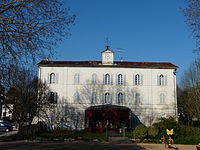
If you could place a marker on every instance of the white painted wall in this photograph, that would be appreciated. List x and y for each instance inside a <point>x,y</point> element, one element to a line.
<point>148,111</point>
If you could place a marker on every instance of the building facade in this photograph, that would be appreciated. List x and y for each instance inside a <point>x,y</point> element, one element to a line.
<point>147,88</point>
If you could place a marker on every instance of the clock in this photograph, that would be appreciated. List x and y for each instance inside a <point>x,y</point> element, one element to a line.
<point>107,56</point>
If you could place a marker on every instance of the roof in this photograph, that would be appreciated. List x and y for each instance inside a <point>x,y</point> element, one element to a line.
<point>108,106</point>
<point>107,50</point>
<point>124,64</point>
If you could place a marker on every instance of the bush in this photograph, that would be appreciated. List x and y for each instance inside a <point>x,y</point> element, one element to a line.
<point>140,132</point>
<point>167,123</point>
<point>153,131</point>
<point>59,135</point>
<point>182,134</point>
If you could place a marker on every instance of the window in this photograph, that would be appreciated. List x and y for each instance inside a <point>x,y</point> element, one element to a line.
<point>162,98</point>
<point>93,100</point>
<point>94,78</point>
<point>137,98</point>
<point>107,79</point>
<point>52,78</point>
<point>137,79</point>
<point>161,80</point>
<point>120,79</point>
<point>76,98</point>
<point>107,98</point>
<point>120,98</point>
<point>4,114</point>
<point>53,97</point>
<point>76,78</point>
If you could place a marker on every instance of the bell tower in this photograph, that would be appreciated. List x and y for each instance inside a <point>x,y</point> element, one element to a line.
<point>107,56</point>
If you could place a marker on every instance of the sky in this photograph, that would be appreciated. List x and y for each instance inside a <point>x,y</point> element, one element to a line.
<point>144,30</point>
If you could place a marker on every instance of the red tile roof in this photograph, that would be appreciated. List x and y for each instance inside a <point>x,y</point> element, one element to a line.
<point>124,64</point>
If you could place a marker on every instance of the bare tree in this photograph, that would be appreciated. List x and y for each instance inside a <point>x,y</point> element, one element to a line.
<point>65,115</point>
<point>189,99</point>
<point>30,28</point>
<point>28,96</point>
<point>191,13</point>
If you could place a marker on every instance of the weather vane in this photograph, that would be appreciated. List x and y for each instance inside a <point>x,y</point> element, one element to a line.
<point>107,41</point>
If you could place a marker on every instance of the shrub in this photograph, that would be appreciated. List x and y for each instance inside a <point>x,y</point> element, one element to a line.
<point>140,132</point>
<point>153,131</point>
<point>182,134</point>
<point>167,123</point>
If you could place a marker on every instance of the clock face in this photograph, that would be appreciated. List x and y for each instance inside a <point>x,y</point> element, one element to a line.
<point>107,56</point>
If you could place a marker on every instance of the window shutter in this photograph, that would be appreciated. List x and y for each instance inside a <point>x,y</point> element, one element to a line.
<point>79,79</point>
<point>110,99</point>
<point>116,79</point>
<point>55,97</point>
<point>133,79</point>
<point>123,99</point>
<point>158,80</point>
<point>48,78</point>
<point>97,98</point>
<point>134,98</point>
<point>124,80</point>
<point>116,98</point>
<point>57,76</point>
<point>141,79</point>
<point>165,79</point>
<point>111,80</point>
<point>103,78</point>
<point>102,101</point>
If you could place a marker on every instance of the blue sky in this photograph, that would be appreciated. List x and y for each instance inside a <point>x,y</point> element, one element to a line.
<point>146,30</point>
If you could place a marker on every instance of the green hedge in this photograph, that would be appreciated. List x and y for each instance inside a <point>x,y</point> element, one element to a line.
<point>59,135</point>
<point>182,134</point>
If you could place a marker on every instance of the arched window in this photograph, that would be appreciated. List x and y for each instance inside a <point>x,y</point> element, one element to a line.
<point>120,79</point>
<point>137,98</point>
<point>76,78</point>
<point>107,79</point>
<point>120,98</point>
<point>76,97</point>
<point>137,79</point>
<point>107,98</point>
<point>53,97</point>
<point>93,100</point>
<point>94,78</point>
<point>52,78</point>
<point>161,80</point>
<point>162,98</point>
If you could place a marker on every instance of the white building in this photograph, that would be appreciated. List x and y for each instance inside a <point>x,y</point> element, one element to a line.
<point>147,88</point>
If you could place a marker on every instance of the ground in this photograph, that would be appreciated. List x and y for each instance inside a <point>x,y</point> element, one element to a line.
<point>33,145</point>
<point>148,146</point>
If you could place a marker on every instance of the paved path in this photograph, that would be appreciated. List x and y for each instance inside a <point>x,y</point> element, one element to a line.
<point>149,146</point>
<point>28,145</point>
<point>119,140</point>
<point>23,145</point>
<point>8,133</point>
